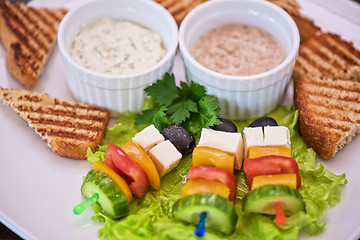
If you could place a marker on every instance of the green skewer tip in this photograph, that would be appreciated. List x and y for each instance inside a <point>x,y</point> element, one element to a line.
<point>78,209</point>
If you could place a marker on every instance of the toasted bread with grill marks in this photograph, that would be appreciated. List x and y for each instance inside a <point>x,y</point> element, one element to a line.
<point>68,128</point>
<point>179,9</point>
<point>306,26</point>
<point>28,34</point>
<point>329,112</point>
<point>327,55</point>
<point>290,6</point>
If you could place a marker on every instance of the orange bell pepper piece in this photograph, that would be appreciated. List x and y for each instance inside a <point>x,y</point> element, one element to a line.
<point>260,151</point>
<point>277,179</point>
<point>116,178</point>
<point>144,161</point>
<point>194,186</point>
<point>205,156</point>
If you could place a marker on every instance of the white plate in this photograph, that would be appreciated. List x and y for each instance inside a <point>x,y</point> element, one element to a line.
<point>38,188</point>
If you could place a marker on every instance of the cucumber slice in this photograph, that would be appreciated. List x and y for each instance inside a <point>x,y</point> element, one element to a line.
<point>111,198</point>
<point>262,200</point>
<point>221,213</point>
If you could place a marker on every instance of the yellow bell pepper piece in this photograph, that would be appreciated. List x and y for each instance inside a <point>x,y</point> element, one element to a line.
<point>205,156</point>
<point>144,161</point>
<point>124,187</point>
<point>277,179</point>
<point>260,151</point>
<point>194,186</point>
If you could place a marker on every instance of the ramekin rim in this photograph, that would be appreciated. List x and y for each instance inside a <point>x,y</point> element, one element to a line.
<point>173,46</point>
<point>291,56</point>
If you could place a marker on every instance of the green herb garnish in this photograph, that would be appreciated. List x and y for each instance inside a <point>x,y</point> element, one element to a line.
<point>187,105</point>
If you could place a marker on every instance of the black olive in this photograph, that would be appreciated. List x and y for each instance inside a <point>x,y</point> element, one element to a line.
<point>183,139</point>
<point>225,126</point>
<point>264,121</point>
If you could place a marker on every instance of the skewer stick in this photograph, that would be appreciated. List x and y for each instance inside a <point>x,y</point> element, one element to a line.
<point>200,228</point>
<point>280,217</point>
<point>78,209</point>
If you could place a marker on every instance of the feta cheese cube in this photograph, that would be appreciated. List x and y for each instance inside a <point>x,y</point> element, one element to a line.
<point>277,136</point>
<point>165,156</point>
<point>148,138</point>
<point>230,142</point>
<point>253,136</point>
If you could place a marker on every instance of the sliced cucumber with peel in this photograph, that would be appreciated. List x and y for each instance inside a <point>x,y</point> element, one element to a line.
<point>221,213</point>
<point>262,200</point>
<point>111,198</point>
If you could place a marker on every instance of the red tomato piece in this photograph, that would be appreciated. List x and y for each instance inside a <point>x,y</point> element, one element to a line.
<point>123,165</point>
<point>215,174</point>
<point>271,165</point>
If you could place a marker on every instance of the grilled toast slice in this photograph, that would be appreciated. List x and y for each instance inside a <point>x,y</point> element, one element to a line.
<point>306,26</point>
<point>28,35</point>
<point>329,112</point>
<point>68,128</point>
<point>290,6</point>
<point>179,9</point>
<point>328,56</point>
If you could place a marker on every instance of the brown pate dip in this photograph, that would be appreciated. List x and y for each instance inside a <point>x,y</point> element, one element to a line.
<point>239,50</point>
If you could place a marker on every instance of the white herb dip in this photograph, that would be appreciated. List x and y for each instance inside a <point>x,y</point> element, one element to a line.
<point>117,47</point>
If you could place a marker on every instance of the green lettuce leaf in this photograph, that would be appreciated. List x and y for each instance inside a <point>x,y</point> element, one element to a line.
<point>119,134</point>
<point>151,217</point>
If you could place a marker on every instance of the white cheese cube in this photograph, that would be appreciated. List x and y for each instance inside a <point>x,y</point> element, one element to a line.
<point>165,156</point>
<point>148,138</point>
<point>230,142</point>
<point>277,136</point>
<point>253,136</point>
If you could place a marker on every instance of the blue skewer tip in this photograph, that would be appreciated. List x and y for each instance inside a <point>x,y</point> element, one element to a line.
<point>200,228</point>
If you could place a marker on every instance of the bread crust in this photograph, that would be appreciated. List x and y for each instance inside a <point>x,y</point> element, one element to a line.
<point>306,26</point>
<point>68,128</point>
<point>329,114</point>
<point>28,35</point>
<point>179,9</point>
<point>22,66</point>
<point>328,56</point>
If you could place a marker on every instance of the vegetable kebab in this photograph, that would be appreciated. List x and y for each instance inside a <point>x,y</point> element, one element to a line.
<point>273,176</point>
<point>209,195</point>
<point>130,170</point>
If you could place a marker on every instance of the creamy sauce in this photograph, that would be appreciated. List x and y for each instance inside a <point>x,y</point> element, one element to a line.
<point>117,47</point>
<point>239,50</point>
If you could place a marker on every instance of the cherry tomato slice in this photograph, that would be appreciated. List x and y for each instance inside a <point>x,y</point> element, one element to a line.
<point>144,161</point>
<point>271,164</point>
<point>133,174</point>
<point>215,174</point>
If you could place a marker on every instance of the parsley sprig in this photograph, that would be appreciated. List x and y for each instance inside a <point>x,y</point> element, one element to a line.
<point>187,105</point>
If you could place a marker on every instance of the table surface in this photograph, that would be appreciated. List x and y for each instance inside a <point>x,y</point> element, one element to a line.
<point>344,9</point>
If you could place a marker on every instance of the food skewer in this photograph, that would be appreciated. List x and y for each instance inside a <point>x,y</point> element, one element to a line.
<point>273,176</point>
<point>128,171</point>
<point>210,191</point>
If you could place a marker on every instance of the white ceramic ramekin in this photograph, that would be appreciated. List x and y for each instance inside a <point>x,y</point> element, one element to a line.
<point>241,97</point>
<point>118,93</point>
